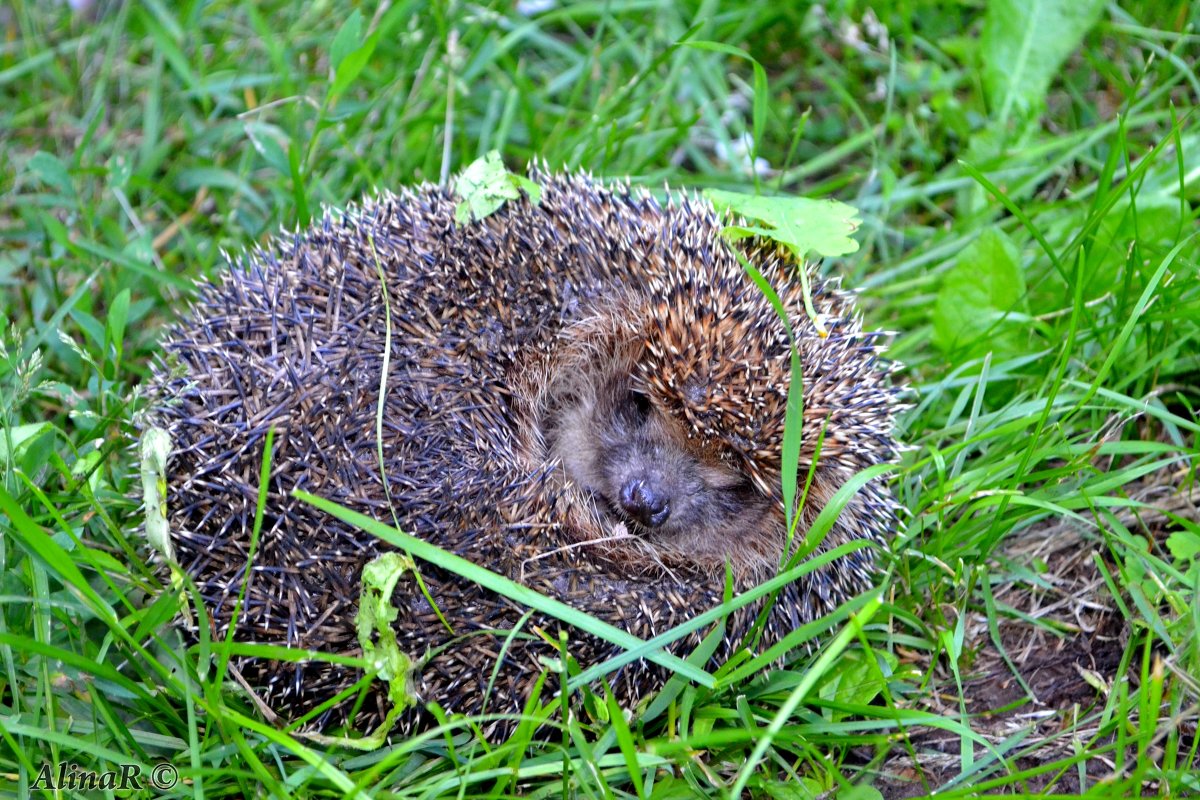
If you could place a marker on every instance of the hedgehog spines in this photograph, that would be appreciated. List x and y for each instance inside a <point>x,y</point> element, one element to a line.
<point>623,324</point>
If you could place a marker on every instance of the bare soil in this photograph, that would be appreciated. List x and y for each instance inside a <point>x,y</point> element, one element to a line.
<point>1036,695</point>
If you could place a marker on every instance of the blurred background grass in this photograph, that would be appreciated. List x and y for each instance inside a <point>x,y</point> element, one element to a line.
<point>1027,174</point>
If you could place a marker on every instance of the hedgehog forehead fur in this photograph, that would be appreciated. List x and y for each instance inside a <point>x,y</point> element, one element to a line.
<point>640,465</point>
<point>586,395</point>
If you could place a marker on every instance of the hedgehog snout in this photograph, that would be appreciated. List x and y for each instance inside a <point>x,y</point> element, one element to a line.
<point>646,501</point>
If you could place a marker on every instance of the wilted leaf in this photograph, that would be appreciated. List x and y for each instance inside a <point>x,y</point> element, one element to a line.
<point>377,637</point>
<point>376,613</point>
<point>155,449</point>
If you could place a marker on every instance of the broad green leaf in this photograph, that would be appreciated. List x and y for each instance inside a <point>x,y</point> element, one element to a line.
<point>351,67</point>
<point>118,316</point>
<point>139,248</point>
<point>1154,225</point>
<point>485,185</point>
<point>17,436</point>
<point>52,172</point>
<point>349,53</point>
<point>266,140</point>
<point>195,178</point>
<point>94,328</point>
<point>120,170</point>
<point>981,305</point>
<point>347,40</point>
<point>856,682</point>
<point>803,225</point>
<point>1184,545</point>
<point>859,791</point>
<point>1023,45</point>
<point>87,465</point>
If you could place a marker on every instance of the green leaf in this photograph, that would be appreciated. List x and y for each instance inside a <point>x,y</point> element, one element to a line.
<point>801,224</point>
<point>859,791</point>
<point>1153,225</point>
<point>1184,545</point>
<point>485,185</point>
<point>529,187</point>
<point>118,316</point>
<point>349,53</point>
<point>217,178</point>
<point>1024,43</point>
<point>856,681</point>
<point>376,614</point>
<point>120,170</point>
<point>267,141</point>
<point>980,307</point>
<point>805,788</point>
<point>52,172</point>
<point>347,40</point>
<point>351,67</point>
<point>17,436</point>
<point>87,465</point>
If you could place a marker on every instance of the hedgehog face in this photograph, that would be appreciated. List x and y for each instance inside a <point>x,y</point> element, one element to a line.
<point>634,463</point>
<point>638,466</point>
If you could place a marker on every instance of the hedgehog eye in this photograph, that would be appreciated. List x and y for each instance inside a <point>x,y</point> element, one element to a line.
<point>640,403</point>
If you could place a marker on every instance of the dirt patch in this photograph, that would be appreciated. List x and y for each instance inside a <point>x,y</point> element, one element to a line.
<point>1033,687</point>
<point>1056,673</point>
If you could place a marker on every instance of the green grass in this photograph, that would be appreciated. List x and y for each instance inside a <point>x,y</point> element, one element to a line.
<point>1030,241</point>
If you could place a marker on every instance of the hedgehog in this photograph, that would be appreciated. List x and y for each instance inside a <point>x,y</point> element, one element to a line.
<point>585,394</point>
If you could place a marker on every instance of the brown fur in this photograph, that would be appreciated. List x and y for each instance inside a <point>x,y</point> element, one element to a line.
<point>597,420</point>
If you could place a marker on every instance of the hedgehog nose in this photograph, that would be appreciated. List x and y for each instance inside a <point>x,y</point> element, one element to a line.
<point>645,502</point>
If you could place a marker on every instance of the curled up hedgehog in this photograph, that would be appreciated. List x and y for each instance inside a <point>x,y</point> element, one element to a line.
<point>585,394</point>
